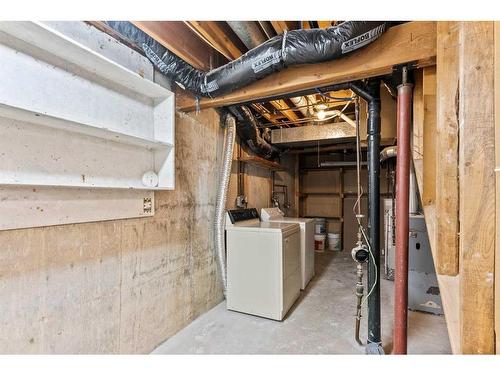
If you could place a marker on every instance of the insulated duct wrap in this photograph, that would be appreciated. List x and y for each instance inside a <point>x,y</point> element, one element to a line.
<point>220,203</point>
<point>304,46</point>
<point>249,133</point>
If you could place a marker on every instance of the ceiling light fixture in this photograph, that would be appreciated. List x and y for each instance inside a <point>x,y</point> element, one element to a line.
<point>321,115</point>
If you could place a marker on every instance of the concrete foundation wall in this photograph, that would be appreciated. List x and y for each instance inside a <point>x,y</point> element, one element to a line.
<point>121,286</point>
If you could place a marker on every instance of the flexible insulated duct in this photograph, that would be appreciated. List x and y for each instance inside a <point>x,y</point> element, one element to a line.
<point>250,134</point>
<point>303,46</point>
<point>220,203</point>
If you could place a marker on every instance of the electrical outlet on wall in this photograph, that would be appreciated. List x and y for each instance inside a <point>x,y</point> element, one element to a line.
<point>147,205</point>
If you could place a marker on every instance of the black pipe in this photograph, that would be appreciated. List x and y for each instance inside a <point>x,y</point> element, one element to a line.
<point>373,140</point>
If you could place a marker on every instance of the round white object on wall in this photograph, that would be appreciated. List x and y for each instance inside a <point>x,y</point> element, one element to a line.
<point>150,179</point>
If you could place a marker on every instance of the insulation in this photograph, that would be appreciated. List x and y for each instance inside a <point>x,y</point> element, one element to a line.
<point>302,46</point>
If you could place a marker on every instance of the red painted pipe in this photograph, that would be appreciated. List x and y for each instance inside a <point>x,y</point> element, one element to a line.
<point>402,219</point>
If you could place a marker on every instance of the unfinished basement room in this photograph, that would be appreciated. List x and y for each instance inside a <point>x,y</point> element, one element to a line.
<point>249,187</point>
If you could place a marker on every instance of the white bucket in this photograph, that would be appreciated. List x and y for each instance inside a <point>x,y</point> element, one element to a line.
<point>319,242</point>
<point>334,241</point>
<point>320,225</point>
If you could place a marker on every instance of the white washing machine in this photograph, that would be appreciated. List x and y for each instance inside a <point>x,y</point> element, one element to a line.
<point>275,215</point>
<point>263,264</point>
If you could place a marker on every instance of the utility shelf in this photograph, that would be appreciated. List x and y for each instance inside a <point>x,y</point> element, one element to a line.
<point>246,156</point>
<point>74,118</point>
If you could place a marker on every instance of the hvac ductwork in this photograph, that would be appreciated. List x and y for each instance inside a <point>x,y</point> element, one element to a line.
<point>249,32</point>
<point>304,46</point>
<point>250,134</point>
<point>220,203</point>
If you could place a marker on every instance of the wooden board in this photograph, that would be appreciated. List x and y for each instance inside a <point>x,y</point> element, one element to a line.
<point>322,205</point>
<point>497,195</point>
<point>429,101</point>
<point>217,36</point>
<point>417,144</point>
<point>181,40</point>
<point>321,181</point>
<point>447,193</point>
<point>412,41</point>
<point>449,286</point>
<point>477,182</point>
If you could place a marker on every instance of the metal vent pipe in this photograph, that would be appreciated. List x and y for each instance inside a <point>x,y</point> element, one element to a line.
<point>220,202</point>
<point>249,32</point>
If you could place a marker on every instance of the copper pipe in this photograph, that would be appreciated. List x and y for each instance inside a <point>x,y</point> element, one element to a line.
<point>402,219</point>
<point>359,299</point>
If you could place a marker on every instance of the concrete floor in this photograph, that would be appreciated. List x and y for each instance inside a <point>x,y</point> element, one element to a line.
<point>320,322</point>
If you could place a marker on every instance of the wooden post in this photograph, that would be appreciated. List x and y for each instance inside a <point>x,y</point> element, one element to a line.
<point>497,175</point>
<point>447,197</point>
<point>429,135</point>
<point>477,186</point>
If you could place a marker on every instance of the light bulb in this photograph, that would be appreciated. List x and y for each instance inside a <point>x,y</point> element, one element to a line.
<point>321,115</point>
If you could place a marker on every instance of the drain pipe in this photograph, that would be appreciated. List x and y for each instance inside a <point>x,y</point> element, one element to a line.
<point>370,92</point>
<point>220,203</point>
<point>374,342</point>
<point>402,216</point>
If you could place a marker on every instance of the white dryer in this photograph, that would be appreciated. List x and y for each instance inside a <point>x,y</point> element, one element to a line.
<point>263,264</point>
<point>275,215</point>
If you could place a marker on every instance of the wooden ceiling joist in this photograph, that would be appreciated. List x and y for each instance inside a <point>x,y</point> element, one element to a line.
<point>177,37</point>
<point>214,34</point>
<point>266,113</point>
<point>408,42</point>
<point>324,24</point>
<point>284,108</point>
<point>281,26</point>
<point>268,28</point>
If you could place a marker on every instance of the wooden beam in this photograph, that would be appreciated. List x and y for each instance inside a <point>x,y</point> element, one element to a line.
<point>497,178</point>
<point>412,41</point>
<point>417,130</point>
<point>477,187</point>
<point>249,157</point>
<point>283,107</point>
<point>279,26</point>
<point>324,24</point>
<point>447,193</point>
<point>213,33</point>
<point>102,26</point>
<point>267,28</point>
<point>429,133</point>
<point>181,40</point>
<point>265,112</point>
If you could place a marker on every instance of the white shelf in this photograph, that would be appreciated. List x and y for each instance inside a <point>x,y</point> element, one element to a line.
<point>71,117</point>
<point>20,114</point>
